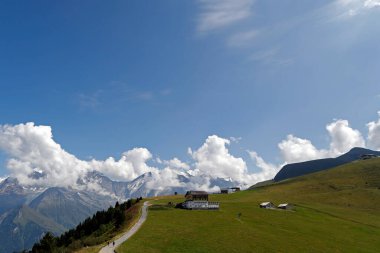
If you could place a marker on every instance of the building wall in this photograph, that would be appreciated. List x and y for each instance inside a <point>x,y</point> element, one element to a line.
<point>200,205</point>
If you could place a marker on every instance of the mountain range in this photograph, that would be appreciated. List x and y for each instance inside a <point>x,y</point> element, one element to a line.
<point>26,213</point>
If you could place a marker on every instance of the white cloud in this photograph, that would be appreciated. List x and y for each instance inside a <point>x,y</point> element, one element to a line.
<point>270,56</point>
<point>268,170</point>
<point>374,134</point>
<point>371,3</point>
<point>203,183</point>
<point>343,137</point>
<point>31,149</point>
<point>176,164</point>
<point>36,159</point>
<point>132,164</point>
<point>242,39</point>
<point>235,139</point>
<point>216,14</point>
<point>349,8</point>
<point>213,158</point>
<point>164,179</point>
<point>295,149</point>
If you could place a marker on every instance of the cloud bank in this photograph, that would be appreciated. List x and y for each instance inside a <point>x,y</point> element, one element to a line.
<point>34,158</point>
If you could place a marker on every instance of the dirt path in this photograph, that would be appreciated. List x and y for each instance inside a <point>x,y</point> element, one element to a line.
<point>110,248</point>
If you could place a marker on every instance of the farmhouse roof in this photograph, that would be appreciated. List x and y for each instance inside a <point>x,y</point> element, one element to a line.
<point>265,203</point>
<point>196,193</point>
<point>283,205</point>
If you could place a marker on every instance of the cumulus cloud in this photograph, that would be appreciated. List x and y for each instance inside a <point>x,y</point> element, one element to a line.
<point>268,170</point>
<point>216,14</point>
<point>213,158</point>
<point>374,134</point>
<point>132,164</point>
<point>34,158</point>
<point>294,149</point>
<point>342,138</point>
<point>164,179</point>
<point>33,151</point>
<point>176,164</point>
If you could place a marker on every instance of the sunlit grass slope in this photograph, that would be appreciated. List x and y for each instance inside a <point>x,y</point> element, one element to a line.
<point>337,210</point>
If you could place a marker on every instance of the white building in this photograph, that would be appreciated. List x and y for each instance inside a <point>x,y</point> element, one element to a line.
<point>198,200</point>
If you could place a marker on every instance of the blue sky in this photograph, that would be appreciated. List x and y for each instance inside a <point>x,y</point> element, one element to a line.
<point>164,75</point>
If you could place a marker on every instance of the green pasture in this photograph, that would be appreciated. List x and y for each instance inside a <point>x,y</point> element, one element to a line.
<point>337,210</point>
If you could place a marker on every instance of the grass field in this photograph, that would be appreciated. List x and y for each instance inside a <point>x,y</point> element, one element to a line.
<point>337,210</point>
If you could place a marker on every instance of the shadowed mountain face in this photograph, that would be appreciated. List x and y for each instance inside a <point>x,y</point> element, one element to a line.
<point>12,195</point>
<point>27,213</point>
<point>21,227</point>
<point>68,207</point>
<point>303,168</point>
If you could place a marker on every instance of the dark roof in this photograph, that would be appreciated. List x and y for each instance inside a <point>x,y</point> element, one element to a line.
<point>196,193</point>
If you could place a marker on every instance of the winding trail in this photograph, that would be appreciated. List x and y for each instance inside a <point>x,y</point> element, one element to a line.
<point>110,248</point>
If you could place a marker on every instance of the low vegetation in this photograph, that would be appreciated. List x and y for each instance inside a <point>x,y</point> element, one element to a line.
<point>92,232</point>
<point>336,210</point>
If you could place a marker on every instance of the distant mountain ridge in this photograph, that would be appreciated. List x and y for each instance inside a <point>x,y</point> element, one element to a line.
<point>303,168</point>
<point>26,213</point>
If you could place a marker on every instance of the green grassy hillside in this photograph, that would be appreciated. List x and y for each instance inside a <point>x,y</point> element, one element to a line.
<point>337,210</point>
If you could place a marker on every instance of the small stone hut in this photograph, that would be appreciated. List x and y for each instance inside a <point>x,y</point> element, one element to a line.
<point>285,206</point>
<point>267,205</point>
